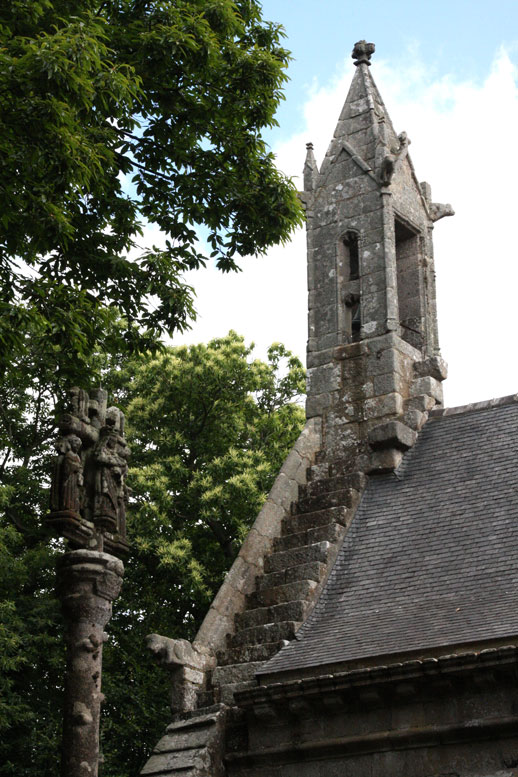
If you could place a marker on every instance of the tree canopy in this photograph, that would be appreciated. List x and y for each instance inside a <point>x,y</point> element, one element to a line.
<point>209,427</point>
<point>115,114</point>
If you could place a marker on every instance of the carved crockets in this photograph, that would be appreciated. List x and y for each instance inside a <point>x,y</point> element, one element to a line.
<point>88,492</point>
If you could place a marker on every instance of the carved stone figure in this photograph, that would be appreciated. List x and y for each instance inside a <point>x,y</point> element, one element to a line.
<point>88,507</point>
<point>78,399</point>
<point>89,494</point>
<point>65,495</point>
<point>110,457</point>
<point>391,161</point>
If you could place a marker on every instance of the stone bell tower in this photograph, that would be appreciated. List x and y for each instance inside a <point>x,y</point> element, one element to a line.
<point>374,368</point>
<point>374,373</point>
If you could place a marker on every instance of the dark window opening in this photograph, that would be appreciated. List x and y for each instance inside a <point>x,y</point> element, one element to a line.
<point>409,284</point>
<point>351,244</point>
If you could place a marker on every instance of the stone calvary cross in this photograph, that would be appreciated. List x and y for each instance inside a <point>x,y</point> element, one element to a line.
<point>88,508</point>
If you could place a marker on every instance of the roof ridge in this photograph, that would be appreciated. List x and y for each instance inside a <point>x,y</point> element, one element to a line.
<point>487,404</point>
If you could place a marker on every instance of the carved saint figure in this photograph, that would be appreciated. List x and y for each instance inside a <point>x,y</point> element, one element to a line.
<point>110,458</point>
<point>67,478</point>
<point>78,403</point>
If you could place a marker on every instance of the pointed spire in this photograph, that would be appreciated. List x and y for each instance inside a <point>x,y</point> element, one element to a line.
<point>310,169</point>
<point>364,131</point>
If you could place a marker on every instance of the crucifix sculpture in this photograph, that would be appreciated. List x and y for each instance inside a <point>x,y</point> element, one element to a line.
<point>88,508</point>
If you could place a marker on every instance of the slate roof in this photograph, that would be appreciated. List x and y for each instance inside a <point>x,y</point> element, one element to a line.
<point>431,557</point>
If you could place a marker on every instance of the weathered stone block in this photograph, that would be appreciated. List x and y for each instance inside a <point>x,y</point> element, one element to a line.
<point>338,498</point>
<point>385,461</point>
<point>393,434</point>
<point>313,570</point>
<point>386,360</point>
<point>268,521</point>
<point>349,351</point>
<point>393,340</point>
<point>317,404</point>
<point>245,653</point>
<point>422,403</point>
<point>292,558</point>
<point>316,358</point>
<point>323,379</point>
<point>235,673</point>
<point>428,386</point>
<point>270,632</point>
<point>287,611</point>
<point>282,487</point>
<point>163,763</point>
<point>302,589</point>
<point>389,404</point>
<point>388,383</point>
<point>434,367</point>
<point>374,282</point>
<point>374,308</point>
<point>226,692</point>
<point>299,523</point>
<point>326,533</point>
<point>322,342</point>
<point>415,419</point>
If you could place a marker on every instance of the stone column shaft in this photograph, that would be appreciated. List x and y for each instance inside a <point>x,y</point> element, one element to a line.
<point>88,582</point>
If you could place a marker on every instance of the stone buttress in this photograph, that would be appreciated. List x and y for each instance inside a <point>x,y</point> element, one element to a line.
<point>374,373</point>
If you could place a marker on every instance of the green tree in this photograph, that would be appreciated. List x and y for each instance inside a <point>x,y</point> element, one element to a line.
<point>31,632</point>
<point>209,428</point>
<point>118,113</point>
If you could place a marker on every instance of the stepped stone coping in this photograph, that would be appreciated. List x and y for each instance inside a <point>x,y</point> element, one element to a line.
<point>250,653</point>
<point>430,558</point>
<point>240,580</point>
<point>289,592</point>
<point>296,524</point>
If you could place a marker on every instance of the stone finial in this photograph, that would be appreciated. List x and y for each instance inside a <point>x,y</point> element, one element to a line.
<point>310,169</point>
<point>363,52</point>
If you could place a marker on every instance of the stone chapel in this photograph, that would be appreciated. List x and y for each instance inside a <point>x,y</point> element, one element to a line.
<point>369,624</point>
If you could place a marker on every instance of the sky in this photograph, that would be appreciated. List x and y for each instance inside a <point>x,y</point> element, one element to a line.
<point>448,74</point>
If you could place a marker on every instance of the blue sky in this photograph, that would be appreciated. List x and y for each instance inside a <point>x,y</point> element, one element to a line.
<point>456,36</point>
<point>448,73</point>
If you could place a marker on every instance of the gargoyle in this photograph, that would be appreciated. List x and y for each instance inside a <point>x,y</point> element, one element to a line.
<point>174,653</point>
<point>439,210</point>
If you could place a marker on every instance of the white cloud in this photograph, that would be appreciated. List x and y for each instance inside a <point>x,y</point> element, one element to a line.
<point>464,137</point>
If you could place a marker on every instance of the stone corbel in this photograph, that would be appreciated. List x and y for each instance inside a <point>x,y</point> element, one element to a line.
<point>188,668</point>
<point>388,442</point>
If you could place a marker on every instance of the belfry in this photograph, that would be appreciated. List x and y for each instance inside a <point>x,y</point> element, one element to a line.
<point>368,626</point>
<point>373,351</point>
